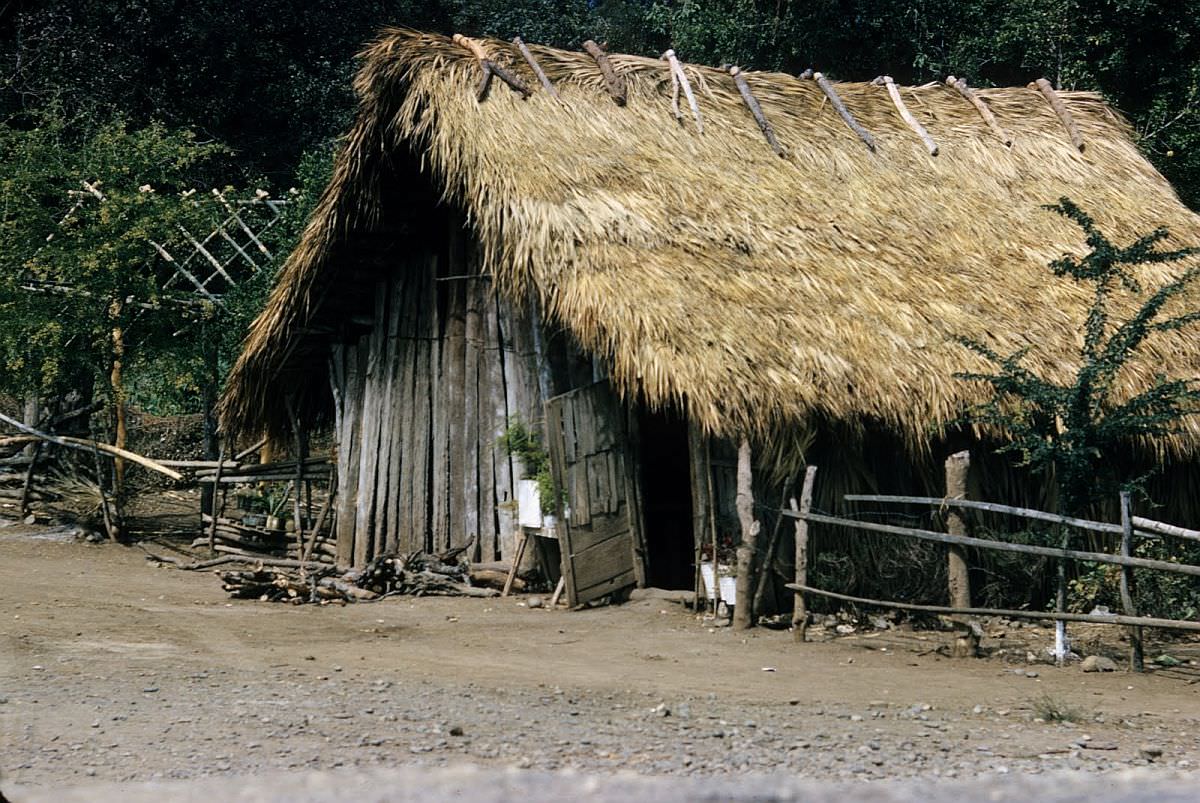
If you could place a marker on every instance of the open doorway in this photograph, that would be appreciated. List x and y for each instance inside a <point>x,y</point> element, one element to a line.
<point>666,499</point>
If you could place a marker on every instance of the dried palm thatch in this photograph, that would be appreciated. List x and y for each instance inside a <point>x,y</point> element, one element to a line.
<point>759,291</point>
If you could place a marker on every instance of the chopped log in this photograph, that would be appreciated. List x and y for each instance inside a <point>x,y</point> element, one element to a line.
<point>85,445</point>
<point>492,578</point>
<point>907,116</point>
<point>836,101</point>
<point>1060,108</point>
<point>613,82</point>
<point>981,107</point>
<point>681,82</point>
<point>533,65</point>
<point>756,110</point>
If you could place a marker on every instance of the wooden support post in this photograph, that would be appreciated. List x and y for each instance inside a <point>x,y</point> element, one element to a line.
<point>800,611</point>
<point>533,65</point>
<point>981,107</point>
<point>756,110</point>
<point>702,506</point>
<point>836,101</point>
<point>218,501</point>
<point>1060,108</point>
<point>1061,645</point>
<point>522,543</point>
<point>298,444</point>
<point>27,486</point>
<point>766,570</point>
<point>1136,657</point>
<point>958,465</point>
<point>747,549</point>
<point>614,83</point>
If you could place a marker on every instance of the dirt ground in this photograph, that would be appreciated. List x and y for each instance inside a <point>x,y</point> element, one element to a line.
<point>113,669</point>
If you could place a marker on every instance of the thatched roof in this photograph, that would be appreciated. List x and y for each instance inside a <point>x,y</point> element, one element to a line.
<point>761,290</point>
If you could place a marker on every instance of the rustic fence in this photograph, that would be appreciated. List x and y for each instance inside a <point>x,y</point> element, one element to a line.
<point>1130,528</point>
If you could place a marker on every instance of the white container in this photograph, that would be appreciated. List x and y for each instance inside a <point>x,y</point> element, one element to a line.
<point>728,585</point>
<point>529,504</point>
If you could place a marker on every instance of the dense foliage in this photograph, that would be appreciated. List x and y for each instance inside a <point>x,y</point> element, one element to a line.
<point>271,78</point>
<point>1076,431</point>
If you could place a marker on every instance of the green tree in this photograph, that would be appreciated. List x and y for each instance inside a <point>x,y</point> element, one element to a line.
<point>1074,432</point>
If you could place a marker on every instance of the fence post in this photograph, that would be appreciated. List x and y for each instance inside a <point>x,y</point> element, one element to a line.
<point>1135,633</point>
<point>957,466</point>
<point>799,609</point>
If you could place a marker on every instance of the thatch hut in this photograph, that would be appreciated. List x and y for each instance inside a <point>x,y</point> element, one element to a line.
<point>654,287</point>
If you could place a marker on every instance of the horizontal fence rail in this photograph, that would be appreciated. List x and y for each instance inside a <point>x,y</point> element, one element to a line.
<point>1001,546</point>
<point>1152,526</point>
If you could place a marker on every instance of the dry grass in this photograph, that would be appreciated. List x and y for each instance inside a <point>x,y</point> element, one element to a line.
<point>760,291</point>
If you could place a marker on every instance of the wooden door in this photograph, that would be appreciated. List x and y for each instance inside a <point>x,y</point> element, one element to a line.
<point>597,508</point>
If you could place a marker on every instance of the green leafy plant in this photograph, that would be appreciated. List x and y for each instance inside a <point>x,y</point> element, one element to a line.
<point>1073,431</point>
<point>1054,709</point>
<point>525,445</point>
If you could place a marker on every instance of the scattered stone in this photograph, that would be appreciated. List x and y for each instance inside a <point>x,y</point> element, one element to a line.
<point>534,602</point>
<point>456,730</point>
<point>1150,752</point>
<point>844,630</point>
<point>1098,663</point>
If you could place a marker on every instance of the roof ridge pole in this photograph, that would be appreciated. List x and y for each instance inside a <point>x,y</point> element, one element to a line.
<point>613,82</point>
<point>756,110</point>
<point>490,68</point>
<point>841,109</point>
<point>681,81</point>
<point>906,115</point>
<point>1060,108</point>
<point>533,65</point>
<point>970,94</point>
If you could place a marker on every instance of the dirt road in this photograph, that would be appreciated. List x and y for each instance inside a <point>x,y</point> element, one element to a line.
<point>111,669</point>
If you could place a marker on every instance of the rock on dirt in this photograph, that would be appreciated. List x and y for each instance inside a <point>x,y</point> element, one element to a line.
<point>1098,663</point>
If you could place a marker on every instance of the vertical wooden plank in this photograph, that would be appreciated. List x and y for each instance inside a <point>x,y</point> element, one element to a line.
<point>701,501</point>
<point>496,511</point>
<point>348,503</point>
<point>627,450</point>
<point>554,414</point>
<point>508,470</point>
<point>390,443</point>
<point>470,420</point>
<point>369,456</point>
<point>439,403</point>
<point>455,343</point>
<point>423,420</point>
<point>399,495</point>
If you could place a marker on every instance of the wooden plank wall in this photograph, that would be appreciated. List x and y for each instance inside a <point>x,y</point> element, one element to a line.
<point>421,403</point>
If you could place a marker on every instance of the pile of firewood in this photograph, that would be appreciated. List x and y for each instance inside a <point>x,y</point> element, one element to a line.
<point>417,574</point>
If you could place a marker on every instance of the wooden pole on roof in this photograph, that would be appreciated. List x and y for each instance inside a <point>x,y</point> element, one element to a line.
<point>681,82</point>
<point>756,110</point>
<point>490,68</point>
<point>533,65</point>
<point>906,115</point>
<point>981,107</point>
<point>836,101</point>
<point>1060,108</point>
<point>613,82</point>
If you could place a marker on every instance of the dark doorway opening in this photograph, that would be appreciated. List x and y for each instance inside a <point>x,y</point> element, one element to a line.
<point>666,499</point>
